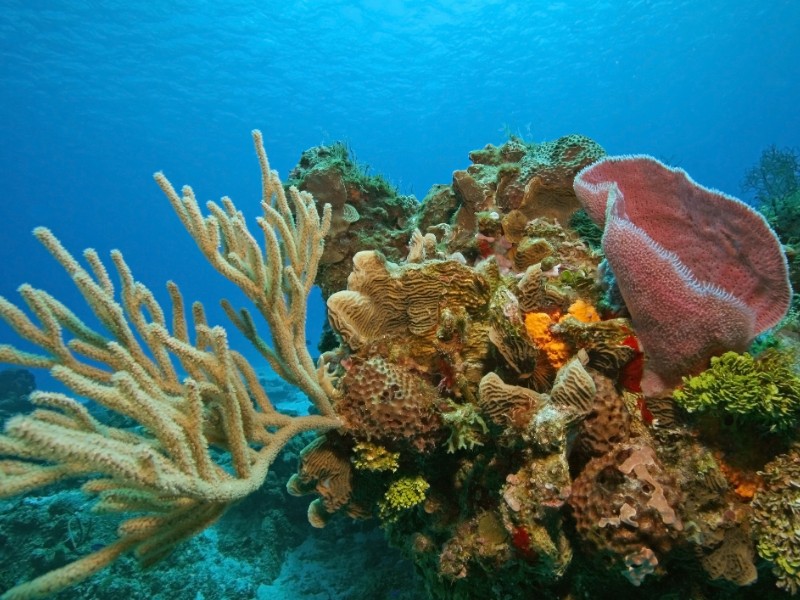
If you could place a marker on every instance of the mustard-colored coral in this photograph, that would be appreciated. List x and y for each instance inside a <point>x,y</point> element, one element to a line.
<point>373,457</point>
<point>538,325</point>
<point>403,494</point>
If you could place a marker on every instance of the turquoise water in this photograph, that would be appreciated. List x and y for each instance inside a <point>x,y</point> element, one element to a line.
<point>95,97</point>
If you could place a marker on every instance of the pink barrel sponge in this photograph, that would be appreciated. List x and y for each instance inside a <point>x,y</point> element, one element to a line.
<point>700,272</point>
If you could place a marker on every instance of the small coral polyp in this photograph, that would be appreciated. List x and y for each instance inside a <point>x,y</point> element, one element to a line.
<point>403,494</point>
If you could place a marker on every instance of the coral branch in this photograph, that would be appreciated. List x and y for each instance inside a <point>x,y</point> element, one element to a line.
<point>161,468</point>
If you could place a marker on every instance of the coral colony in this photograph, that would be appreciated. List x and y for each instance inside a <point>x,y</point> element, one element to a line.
<point>531,402</point>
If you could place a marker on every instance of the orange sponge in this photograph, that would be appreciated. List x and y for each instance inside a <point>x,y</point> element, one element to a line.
<point>583,311</point>
<point>537,324</point>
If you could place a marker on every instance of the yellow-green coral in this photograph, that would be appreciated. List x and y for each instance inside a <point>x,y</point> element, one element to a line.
<point>776,519</point>
<point>372,457</point>
<point>762,391</point>
<point>405,493</point>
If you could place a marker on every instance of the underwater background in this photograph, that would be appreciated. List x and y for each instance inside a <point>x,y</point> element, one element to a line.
<point>97,96</point>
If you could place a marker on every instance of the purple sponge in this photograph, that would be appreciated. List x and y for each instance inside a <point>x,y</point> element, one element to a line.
<point>700,272</point>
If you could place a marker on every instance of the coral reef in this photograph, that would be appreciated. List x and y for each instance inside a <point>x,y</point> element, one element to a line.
<point>401,495</point>
<point>16,386</point>
<point>262,548</point>
<point>534,179</point>
<point>478,399</point>
<point>488,206</point>
<point>776,518</point>
<point>372,457</point>
<point>385,404</point>
<point>775,184</point>
<point>625,504</point>
<point>161,475</point>
<point>323,467</point>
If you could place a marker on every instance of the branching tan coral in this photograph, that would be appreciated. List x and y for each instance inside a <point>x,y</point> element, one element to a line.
<point>277,280</point>
<point>182,392</point>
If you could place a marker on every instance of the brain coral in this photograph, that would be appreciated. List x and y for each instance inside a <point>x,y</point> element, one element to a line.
<point>384,403</point>
<point>324,468</point>
<point>406,305</point>
<point>507,404</point>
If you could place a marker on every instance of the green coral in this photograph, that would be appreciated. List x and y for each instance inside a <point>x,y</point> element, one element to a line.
<point>783,337</point>
<point>582,281</point>
<point>587,229</point>
<point>467,427</point>
<point>404,493</point>
<point>763,391</point>
<point>776,519</point>
<point>775,184</point>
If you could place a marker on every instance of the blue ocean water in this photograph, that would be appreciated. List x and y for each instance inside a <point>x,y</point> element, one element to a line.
<point>95,97</point>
